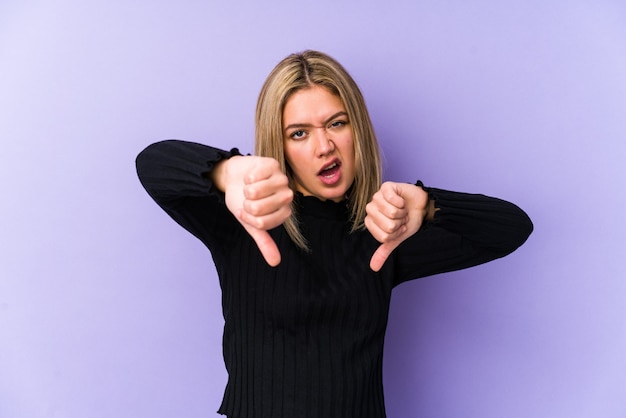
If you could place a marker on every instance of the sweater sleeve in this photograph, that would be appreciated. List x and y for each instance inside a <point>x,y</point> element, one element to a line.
<point>468,229</point>
<point>174,173</point>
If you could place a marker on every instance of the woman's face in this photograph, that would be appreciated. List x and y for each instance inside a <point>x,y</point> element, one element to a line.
<point>318,143</point>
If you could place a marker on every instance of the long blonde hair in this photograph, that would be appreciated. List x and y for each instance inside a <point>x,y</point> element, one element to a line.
<point>299,71</point>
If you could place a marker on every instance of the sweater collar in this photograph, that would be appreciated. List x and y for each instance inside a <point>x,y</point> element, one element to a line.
<point>313,206</point>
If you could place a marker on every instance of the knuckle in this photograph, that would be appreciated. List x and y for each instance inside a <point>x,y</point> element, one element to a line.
<point>283,199</point>
<point>393,213</point>
<point>283,181</point>
<point>250,192</point>
<point>389,194</point>
<point>272,163</point>
<point>253,208</point>
<point>259,223</point>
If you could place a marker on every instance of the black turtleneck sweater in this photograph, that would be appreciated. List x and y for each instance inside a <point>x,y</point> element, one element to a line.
<point>305,339</point>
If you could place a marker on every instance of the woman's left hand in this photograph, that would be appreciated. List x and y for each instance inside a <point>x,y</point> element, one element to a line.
<point>396,212</point>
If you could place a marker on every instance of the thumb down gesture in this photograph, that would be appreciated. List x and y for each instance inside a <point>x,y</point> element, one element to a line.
<point>396,212</point>
<point>258,195</point>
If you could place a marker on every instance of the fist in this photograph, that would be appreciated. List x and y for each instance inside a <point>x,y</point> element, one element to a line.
<point>396,212</point>
<point>257,192</point>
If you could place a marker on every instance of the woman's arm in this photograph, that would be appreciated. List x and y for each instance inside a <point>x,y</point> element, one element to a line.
<point>465,230</point>
<point>191,182</point>
<point>176,174</point>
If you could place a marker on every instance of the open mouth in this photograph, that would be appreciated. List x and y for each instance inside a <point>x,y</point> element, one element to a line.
<point>330,170</point>
<point>331,173</point>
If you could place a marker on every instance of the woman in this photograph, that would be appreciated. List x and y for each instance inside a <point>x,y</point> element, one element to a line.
<point>308,244</point>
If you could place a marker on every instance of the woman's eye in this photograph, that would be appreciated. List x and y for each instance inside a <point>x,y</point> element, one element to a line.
<point>297,135</point>
<point>337,124</point>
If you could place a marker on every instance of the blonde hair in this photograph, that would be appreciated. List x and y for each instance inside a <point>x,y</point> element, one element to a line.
<point>299,71</point>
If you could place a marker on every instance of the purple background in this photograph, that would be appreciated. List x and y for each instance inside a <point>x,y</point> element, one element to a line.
<point>109,309</point>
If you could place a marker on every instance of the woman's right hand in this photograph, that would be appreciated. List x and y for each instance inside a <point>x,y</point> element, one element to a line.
<point>257,192</point>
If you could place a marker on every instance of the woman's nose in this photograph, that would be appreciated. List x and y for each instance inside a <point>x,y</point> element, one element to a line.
<point>325,144</point>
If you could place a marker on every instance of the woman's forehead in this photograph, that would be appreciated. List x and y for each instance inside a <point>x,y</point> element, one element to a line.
<point>311,103</point>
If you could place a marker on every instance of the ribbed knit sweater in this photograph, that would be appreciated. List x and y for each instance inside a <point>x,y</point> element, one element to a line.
<point>305,339</point>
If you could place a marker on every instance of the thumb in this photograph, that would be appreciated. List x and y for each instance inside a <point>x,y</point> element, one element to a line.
<point>382,253</point>
<point>266,245</point>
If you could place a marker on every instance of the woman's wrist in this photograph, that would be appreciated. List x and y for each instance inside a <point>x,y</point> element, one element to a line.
<point>219,175</point>
<point>430,210</point>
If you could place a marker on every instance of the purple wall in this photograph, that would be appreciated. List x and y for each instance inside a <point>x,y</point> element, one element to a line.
<point>108,309</point>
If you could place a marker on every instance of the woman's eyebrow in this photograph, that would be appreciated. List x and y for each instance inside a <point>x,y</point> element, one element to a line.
<point>308,125</point>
